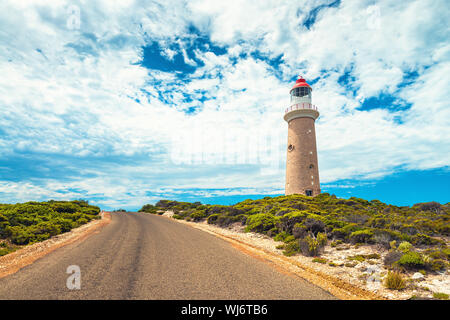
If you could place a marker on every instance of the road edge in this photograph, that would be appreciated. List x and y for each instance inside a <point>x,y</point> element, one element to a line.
<point>14,261</point>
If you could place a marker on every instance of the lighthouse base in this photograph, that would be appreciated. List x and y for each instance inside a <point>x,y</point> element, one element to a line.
<point>306,192</point>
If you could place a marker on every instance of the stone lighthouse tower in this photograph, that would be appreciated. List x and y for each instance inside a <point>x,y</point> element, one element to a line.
<point>302,170</point>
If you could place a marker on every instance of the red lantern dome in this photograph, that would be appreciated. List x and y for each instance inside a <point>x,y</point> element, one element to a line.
<point>300,83</point>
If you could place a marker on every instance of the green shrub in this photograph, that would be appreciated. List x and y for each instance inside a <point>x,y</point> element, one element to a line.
<point>80,222</point>
<point>20,235</point>
<point>361,236</point>
<point>320,260</point>
<point>212,219</point>
<point>5,251</point>
<point>289,220</point>
<point>291,248</point>
<point>149,208</point>
<point>411,260</point>
<point>357,257</point>
<point>394,281</point>
<point>405,246</point>
<point>322,239</point>
<point>281,236</point>
<point>273,232</point>
<point>66,207</point>
<point>289,239</point>
<point>314,225</point>
<point>437,254</point>
<point>440,296</point>
<point>198,216</point>
<point>66,224</point>
<point>438,265</point>
<point>340,233</point>
<point>309,246</point>
<point>299,231</point>
<point>260,222</point>
<point>393,244</point>
<point>446,251</point>
<point>423,239</point>
<point>432,206</point>
<point>335,243</point>
<point>350,264</point>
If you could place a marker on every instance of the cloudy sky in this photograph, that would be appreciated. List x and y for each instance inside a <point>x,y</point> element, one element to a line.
<point>127,102</point>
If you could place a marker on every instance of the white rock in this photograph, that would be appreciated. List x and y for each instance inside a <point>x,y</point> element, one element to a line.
<point>373,269</point>
<point>417,276</point>
<point>339,263</point>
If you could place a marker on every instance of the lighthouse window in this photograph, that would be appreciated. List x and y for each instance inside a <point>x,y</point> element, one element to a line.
<point>308,192</point>
<point>311,166</point>
<point>301,92</point>
<point>291,147</point>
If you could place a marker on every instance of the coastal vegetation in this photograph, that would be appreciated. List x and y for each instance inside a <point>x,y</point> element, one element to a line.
<point>415,236</point>
<point>30,222</point>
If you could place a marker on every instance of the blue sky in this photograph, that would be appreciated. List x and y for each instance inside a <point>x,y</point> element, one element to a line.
<point>127,102</point>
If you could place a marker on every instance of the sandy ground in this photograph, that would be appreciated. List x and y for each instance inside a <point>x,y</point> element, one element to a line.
<point>13,262</point>
<point>344,278</point>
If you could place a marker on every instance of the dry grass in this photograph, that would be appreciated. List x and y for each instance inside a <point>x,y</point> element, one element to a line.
<point>395,281</point>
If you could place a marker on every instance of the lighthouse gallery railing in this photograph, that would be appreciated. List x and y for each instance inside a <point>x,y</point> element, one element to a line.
<point>303,105</point>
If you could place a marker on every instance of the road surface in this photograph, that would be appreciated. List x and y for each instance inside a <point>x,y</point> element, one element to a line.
<point>143,256</point>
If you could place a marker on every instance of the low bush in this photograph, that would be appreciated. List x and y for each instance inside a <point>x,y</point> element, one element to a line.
<point>309,246</point>
<point>260,222</point>
<point>5,251</point>
<point>198,216</point>
<point>405,246</point>
<point>335,243</point>
<point>440,296</point>
<point>320,260</point>
<point>423,239</point>
<point>361,236</point>
<point>394,281</point>
<point>281,236</point>
<point>340,233</point>
<point>149,208</point>
<point>438,265</point>
<point>212,219</point>
<point>322,239</point>
<point>289,220</point>
<point>314,225</point>
<point>411,260</point>
<point>363,257</point>
<point>299,231</point>
<point>291,248</point>
<point>358,257</point>
<point>446,252</point>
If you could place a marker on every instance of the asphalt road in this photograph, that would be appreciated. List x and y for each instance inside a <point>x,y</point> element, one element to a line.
<point>143,256</point>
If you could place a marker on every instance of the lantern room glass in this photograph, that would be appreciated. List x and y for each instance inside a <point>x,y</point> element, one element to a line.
<point>301,92</point>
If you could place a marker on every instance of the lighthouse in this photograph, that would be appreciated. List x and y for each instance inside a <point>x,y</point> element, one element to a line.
<point>302,170</point>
